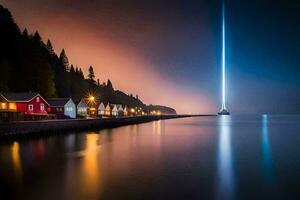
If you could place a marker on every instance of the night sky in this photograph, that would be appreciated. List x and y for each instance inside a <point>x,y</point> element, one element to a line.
<point>169,51</point>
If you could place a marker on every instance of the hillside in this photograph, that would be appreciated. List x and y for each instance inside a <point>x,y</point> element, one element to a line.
<point>162,109</point>
<point>29,64</point>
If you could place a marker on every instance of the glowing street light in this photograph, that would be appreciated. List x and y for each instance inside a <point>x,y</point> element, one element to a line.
<point>91,98</point>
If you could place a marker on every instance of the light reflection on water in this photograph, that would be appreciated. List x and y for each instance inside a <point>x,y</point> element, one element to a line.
<point>225,181</point>
<point>17,160</point>
<point>193,158</point>
<point>267,163</point>
<point>91,172</point>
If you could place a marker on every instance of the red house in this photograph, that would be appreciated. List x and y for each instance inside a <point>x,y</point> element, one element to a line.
<point>31,105</point>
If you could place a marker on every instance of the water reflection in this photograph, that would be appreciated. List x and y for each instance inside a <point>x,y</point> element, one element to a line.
<point>16,160</point>
<point>39,152</point>
<point>91,166</point>
<point>267,163</point>
<point>70,142</point>
<point>156,128</point>
<point>225,180</point>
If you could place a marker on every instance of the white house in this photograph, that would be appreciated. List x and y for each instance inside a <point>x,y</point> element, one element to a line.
<point>62,107</point>
<point>114,111</point>
<point>117,110</point>
<point>120,110</point>
<point>82,108</point>
<point>101,109</point>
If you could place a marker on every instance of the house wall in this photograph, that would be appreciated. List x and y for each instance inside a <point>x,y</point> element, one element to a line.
<point>114,111</point>
<point>101,112</point>
<point>70,109</point>
<point>24,106</point>
<point>8,107</point>
<point>82,111</point>
<point>101,109</point>
<point>107,112</point>
<point>57,110</point>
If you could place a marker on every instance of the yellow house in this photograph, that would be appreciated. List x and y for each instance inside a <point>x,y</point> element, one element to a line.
<point>108,110</point>
<point>7,106</point>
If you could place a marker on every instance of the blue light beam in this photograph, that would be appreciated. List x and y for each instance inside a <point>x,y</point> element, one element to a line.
<point>223,61</point>
<point>224,110</point>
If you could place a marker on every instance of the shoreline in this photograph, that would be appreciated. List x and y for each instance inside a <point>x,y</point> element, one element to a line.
<point>23,129</point>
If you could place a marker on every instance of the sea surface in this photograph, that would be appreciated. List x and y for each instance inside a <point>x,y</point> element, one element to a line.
<point>221,157</point>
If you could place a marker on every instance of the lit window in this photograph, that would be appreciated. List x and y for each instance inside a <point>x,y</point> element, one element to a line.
<point>42,106</point>
<point>3,106</point>
<point>81,109</point>
<point>38,99</point>
<point>12,106</point>
<point>30,107</point>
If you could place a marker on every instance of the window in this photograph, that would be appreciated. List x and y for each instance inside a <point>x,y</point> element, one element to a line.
<point>38,99</point>
<point>69,109</point>
<point>12,106</point>
<point>30,107</point>
<point>81,109</point>
<point>42,106</point>
<point>3,106</point>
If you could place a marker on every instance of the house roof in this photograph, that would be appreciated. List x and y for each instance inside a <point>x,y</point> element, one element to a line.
<point>101,106</point>
<point>82,103</point>
<point>20,96</point>
<point>120,107</point>
<point>58,102</point>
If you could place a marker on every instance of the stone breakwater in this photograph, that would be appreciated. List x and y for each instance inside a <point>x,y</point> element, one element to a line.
<point>40,128</point>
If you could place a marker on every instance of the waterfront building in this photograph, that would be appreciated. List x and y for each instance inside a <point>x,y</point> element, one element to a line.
<point>120,110</point>
<point>62,107</point>
<point>101,109</point>
<point>108,110</point>
<point>114,111</point>
<point>23,106</point>
<point>125,111</point>
<point>82,108</point>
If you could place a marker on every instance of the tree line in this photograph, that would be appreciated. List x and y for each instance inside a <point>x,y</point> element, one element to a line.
<point>29,64</point>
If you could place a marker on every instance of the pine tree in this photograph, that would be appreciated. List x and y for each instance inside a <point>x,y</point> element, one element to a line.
<point>37,37</point>
<point>64,59</point>
<point>91,75</point>
<point>81,74</point>
<point>109,85</point>
<point>25,33</point>
<point>72,70</point>
<point>49,47</point>
<point>98,82</point>
<point>45,82</point>
<point>4,75</point>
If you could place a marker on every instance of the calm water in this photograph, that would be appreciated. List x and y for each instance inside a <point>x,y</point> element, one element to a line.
<point>237,157</point>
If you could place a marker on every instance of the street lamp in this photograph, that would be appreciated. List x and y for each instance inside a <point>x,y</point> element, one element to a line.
<point>91,99</point>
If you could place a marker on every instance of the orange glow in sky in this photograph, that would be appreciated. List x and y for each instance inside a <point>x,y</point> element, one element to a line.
<point>128,70</point>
